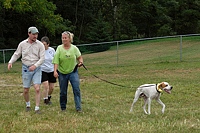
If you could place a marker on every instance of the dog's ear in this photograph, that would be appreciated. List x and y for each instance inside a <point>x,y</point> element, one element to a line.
<point>159,85</point>
<point>163,85</point>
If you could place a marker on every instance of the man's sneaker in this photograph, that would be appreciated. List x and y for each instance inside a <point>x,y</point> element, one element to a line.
<point>28,109</point>
<point>37,112</point>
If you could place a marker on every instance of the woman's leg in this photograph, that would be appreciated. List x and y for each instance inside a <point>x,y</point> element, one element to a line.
<point>63,82</point>
<point>75,82</point>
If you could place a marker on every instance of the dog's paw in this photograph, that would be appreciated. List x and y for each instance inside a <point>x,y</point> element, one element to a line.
<point>146,112</point>
<point>163,110</point>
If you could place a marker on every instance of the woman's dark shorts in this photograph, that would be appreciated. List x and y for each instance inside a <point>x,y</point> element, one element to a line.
<point>48,77</point>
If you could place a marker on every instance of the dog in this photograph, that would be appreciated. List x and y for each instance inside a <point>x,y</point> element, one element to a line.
<point>149,92</point>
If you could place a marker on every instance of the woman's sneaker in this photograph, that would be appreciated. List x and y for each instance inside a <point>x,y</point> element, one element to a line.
<point>49,98</point>
<point>46,101</point>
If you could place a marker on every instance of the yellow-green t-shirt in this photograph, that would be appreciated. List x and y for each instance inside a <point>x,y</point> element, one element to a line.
<point>66,59</point>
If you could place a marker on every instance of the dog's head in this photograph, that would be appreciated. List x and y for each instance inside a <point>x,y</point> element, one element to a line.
<point>165,87</point>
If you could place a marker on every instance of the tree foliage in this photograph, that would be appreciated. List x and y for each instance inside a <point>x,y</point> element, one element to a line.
<point>97,20</point>
<point>99,32</point>
<point>18,15</point>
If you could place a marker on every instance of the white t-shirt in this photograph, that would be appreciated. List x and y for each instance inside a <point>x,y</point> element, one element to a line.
<point>47,66</point>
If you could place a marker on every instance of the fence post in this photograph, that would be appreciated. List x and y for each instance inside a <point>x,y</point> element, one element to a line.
<point>180,48</point>
<point>4,61</point>
<point>117,52</point>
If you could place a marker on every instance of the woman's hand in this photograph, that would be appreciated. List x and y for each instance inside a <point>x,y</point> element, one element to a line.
<point>80,64</point>
<point>55,74</point>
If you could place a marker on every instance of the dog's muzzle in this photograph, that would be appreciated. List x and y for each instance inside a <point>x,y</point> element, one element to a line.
<point>168,90</point>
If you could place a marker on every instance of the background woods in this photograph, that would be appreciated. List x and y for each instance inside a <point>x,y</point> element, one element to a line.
<point>97,20</point>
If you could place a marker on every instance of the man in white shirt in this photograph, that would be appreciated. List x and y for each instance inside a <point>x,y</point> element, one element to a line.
<point>33,55</point>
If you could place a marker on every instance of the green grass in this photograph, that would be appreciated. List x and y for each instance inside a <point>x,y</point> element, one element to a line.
<point>106,107</point>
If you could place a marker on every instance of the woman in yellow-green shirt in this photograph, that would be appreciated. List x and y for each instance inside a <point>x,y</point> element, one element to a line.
<point>66,58</point>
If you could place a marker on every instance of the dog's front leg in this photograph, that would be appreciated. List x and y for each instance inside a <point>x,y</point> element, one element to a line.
<point>163,105</point>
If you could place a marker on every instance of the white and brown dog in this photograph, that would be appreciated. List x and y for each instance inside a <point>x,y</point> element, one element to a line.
<point>149,92</point>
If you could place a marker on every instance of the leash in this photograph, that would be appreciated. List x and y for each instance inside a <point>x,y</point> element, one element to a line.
<point>103,79</point>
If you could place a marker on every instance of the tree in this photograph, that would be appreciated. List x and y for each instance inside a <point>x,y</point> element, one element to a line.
<point>99,32</point>
<point>188,17</point>
<point>18,15</point>
<point>123,19</point>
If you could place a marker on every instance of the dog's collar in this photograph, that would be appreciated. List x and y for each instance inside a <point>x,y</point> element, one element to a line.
<point>159,90</point>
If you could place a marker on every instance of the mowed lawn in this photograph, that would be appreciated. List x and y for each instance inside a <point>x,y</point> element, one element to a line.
<point>106,106</point>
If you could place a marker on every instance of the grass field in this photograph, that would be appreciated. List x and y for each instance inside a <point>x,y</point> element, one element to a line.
<point>106,106</point>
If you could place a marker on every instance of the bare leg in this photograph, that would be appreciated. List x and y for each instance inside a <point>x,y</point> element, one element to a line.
<point>37,94</point>
<point>51,87</point>
<point>46,89</point>
<point>26,94</point>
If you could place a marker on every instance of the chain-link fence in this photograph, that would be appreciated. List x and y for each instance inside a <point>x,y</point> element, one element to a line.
<point>179,51</point>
